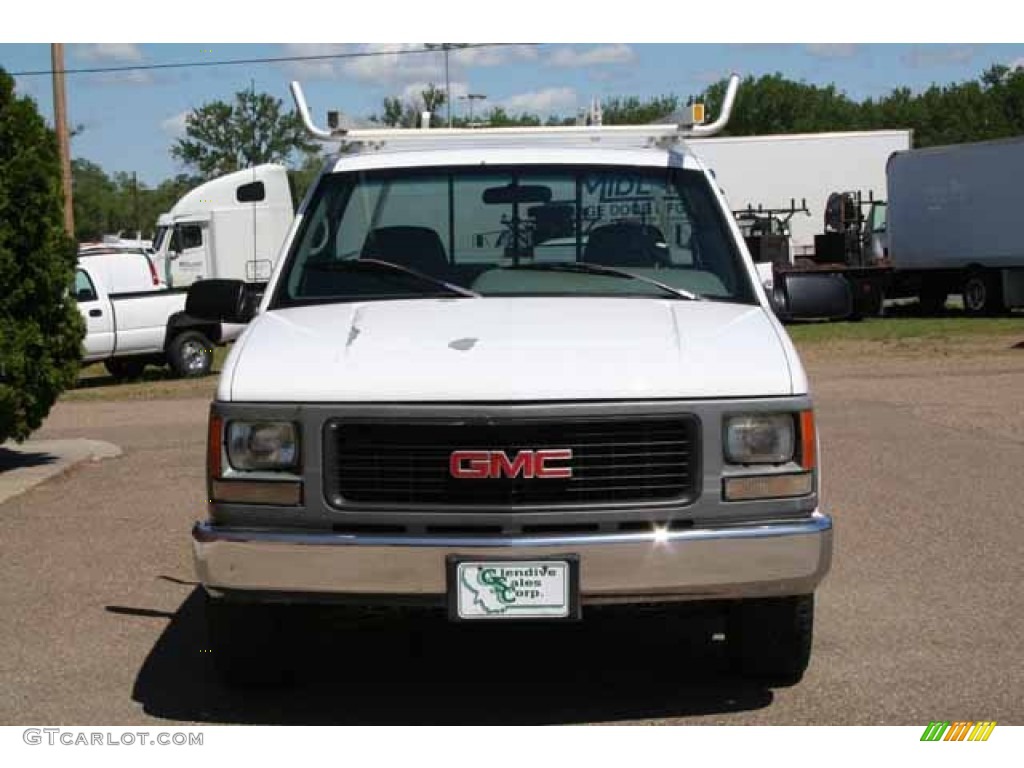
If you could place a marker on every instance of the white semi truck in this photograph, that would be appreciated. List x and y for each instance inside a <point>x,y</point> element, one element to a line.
<point>230,227</point>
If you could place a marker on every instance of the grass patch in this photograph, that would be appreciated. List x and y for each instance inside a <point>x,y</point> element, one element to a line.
<point>156,383</point>
<point>900,328</point>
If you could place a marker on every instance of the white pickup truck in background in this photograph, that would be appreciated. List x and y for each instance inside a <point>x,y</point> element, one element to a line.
<point>130,323</point>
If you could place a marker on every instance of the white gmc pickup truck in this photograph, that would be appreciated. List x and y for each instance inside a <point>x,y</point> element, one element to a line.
<point>515,373</point>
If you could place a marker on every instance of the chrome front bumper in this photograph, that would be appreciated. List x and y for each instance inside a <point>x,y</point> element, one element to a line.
<point>782,558</point>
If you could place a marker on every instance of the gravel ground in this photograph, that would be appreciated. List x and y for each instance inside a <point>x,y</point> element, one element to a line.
<point>920,619</point>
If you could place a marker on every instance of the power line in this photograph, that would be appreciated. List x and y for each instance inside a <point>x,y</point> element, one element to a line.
<point>265,60</point>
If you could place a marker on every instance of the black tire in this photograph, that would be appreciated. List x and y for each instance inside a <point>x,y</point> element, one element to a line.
<point>931,300</point>
<point>769,639</point>
<point>868,300</point>
<point>250,643</point>
<point>125,368</point>
<point>190,354</point>
<point>983,294</point>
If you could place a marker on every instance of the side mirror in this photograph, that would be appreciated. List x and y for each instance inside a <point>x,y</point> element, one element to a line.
<point>804,296</point>
<point>221,301</point>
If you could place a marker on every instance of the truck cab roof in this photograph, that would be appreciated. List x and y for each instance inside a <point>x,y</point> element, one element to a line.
<point>516,151</point>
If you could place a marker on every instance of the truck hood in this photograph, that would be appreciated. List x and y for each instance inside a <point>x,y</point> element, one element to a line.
<point>511,349</point>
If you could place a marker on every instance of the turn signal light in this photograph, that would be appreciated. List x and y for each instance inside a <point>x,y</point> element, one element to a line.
<point>767,486</point>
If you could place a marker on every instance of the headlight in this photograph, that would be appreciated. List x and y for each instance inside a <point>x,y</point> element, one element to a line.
<point>263,445</point>
<point>759,438</point>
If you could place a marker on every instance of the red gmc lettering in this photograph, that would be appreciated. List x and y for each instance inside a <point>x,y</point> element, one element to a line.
<point>523,464</point>
<point>542,457</point>
<point>469,464</point>
<point>495,464</point>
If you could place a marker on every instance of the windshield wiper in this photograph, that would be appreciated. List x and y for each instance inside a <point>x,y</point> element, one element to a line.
<point>587,268</point>
<point>375,265</point>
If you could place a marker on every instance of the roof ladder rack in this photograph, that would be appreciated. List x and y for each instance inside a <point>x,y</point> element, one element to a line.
<point>655,133</point>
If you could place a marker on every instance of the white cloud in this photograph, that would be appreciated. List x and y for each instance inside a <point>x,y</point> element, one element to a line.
<point>127,53</point>
<point>1017,63</point>
<point>391,63</point>
<point>832,50</point>
<point>920,56</point>
<point>542,103</point>
<point>174,126</point>
<point>494,57</point>
<point>618,53</point>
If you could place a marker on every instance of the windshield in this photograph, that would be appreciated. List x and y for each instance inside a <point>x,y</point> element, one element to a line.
<point>483,228</point>
<point>158,238</point>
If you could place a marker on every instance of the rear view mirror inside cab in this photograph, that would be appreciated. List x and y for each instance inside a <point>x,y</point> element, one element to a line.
<point>517,193</point>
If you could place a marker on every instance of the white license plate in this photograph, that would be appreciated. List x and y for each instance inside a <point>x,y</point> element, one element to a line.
<point>513,589</point>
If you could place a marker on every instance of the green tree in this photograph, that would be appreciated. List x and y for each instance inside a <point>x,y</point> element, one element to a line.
<point>629,110</point>
<point>433,99</point>
<point>498,117</point>
<point>774,104</point>
<point>94,196</point>
<point>408,114</point>
<point>221,137</point>
<point>394,112</point>
<point>40,328</point>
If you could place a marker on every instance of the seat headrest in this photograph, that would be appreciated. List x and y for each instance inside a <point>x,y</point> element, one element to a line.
<point>418,248</point>
<point>626,244</point>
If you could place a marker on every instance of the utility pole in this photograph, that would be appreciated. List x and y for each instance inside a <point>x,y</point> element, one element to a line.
<point>446,47</point>
<point>60,122</point>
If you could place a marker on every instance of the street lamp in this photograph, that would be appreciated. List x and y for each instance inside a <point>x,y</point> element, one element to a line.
<point>471,97</point>
<point>447,47</point>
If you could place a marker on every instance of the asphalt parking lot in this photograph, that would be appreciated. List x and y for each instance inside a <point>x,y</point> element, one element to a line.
<point>921,618</point>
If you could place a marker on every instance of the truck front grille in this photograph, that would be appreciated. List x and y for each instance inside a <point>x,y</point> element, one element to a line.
<point>614,460</point>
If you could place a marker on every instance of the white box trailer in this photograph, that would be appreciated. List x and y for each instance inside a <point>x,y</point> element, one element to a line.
<point>772,170</point>
<point>230,227</point>
<point>953,224</point>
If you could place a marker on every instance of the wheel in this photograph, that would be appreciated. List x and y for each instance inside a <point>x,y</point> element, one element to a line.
<point>124,368</point>
<point>982,292</point>
<point>190,354</point>
<point>249,643</point>
<point>868,300</point>
<point>769,639</point>
<point>931,299</point>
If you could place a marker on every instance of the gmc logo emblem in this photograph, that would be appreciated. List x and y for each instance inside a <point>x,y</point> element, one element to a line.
<point>493,464</point>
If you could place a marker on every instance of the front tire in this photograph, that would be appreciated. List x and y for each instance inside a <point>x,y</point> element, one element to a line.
<point>190,355</point>
<point>769,639</point>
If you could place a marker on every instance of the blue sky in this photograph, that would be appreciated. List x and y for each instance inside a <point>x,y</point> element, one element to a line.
<point>130,119</point>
